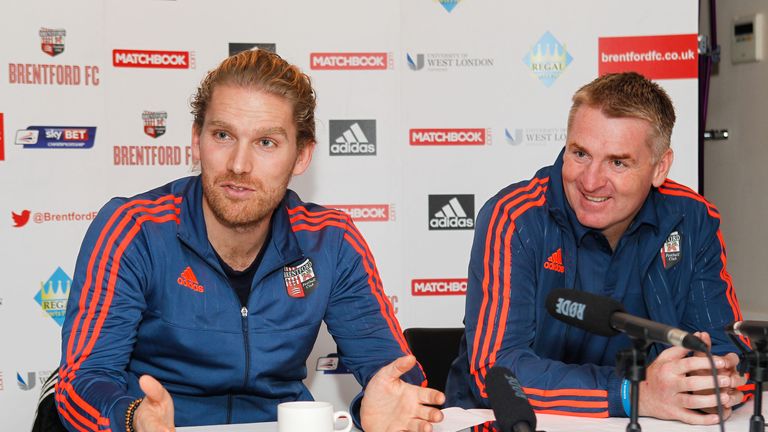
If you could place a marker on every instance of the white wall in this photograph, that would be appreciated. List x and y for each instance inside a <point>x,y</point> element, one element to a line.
<point>735,170</point>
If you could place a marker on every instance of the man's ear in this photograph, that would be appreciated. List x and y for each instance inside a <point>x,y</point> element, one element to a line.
<point>195,144</point>
<point>661,170</point>
<point>304,158</point>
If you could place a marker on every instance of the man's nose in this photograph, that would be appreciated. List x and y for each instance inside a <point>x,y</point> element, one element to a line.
<point>240,161</point>
<point>593,177</point>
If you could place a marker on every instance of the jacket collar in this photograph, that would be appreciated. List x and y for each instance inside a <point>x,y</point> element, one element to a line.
<point>282,248</point>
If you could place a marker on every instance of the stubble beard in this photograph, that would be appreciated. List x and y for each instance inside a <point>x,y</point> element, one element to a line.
<point>242,215</point>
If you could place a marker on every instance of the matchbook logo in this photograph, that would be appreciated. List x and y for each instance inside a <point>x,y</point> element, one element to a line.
<point>438,287</point>
<point>350,61</point>
<point>152,59</point>
<point>432,137</point>
<point>451,212</point>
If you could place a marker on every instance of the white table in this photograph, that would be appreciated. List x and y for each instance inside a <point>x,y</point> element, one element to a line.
<point>739,422</point>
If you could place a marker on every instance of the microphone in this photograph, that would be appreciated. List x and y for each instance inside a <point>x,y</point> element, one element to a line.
<point>509,403</point>
<point>754,330</point>
<point>606,317</point>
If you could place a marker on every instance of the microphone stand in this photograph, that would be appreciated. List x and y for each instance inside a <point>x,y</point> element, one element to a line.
<point>630,363</point>
<point>757,368</point>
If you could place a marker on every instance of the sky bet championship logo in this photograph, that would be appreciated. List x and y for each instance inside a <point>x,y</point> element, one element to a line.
<point>451,212</point>
<point>547,59</point>
<point>154,122</point>
<point>58,137</point>
<point>352,137</point>
<point>53,295</point>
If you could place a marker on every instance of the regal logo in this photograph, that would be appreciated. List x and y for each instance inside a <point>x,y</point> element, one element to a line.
<point>448,4</point>
<point>547,59</point>
<point>52,41</point>
<point>154,122</point>
<point>53,295</point>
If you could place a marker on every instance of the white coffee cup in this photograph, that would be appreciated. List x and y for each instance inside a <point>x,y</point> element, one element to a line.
<point>309,416</point>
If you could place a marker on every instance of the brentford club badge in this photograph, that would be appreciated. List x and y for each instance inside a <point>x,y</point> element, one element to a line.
<point>671,252</point>
<point>52,41</point>
<point>154,122</point>
<point>300,279</point>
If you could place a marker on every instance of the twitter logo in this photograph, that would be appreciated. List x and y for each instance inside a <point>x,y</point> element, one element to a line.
<point>20,220</point>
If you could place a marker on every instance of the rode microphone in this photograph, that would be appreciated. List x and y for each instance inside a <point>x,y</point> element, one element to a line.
<point>606,317</point>
<point>755,330</point>
<point>508,400</point>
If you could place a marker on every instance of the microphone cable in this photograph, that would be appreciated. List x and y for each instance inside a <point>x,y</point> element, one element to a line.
<point>720,419</point>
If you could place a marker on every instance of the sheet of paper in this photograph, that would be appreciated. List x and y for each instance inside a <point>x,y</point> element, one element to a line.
<point>457,419</point>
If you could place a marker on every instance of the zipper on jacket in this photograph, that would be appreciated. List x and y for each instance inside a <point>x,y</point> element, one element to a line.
<point>244,314</point>
<point>229,408</point>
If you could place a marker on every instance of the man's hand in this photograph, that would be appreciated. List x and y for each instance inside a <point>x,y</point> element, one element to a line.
<point>728,377</point>
<point>155,413</point>
<point>390,404</point>
<point>676,385</point>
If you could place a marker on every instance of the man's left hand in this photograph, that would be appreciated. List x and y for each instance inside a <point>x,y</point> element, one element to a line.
<point>391,405</point>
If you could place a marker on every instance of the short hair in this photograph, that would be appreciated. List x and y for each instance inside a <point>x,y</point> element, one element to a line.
<point>268,72</point>
<point>629,94</point>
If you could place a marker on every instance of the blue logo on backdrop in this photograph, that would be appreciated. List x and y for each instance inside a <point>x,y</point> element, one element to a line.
<point>547,59</point>
<point>449,4</point>
<point>53,295</point>
<point>64,137</point>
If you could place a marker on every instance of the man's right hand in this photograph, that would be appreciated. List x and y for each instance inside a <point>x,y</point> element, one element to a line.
<point>671,382</point>
<point>155,413</point>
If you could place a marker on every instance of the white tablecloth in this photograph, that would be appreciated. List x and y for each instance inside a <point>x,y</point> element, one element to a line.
<point>739,422</point>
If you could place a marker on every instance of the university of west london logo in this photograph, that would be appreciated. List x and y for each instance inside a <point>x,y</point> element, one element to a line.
<point>52,41</point>
<point>53,295</point>
<point>547,59</point>
<point>154,122</point>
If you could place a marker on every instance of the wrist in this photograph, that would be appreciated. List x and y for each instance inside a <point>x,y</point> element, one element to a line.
<point>130,413</point>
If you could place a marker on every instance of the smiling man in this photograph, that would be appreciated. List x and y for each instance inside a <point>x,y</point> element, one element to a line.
<point>604,219</point>
<point>199,302</point>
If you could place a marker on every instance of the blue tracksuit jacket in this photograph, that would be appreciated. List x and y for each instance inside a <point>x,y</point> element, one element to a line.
<point>525,246</point>
<point>149,297</point>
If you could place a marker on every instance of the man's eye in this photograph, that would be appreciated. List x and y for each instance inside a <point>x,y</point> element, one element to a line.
<point>266,142</point>
<point>580,154</point>
<point>619,164</point>
<point>221,135</point>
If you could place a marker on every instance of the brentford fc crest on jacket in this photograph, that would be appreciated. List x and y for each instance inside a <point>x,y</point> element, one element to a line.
<point>671,252</point>
<point>300,279</point>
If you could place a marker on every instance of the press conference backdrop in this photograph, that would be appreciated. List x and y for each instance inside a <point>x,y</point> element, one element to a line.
<point>425,109</point>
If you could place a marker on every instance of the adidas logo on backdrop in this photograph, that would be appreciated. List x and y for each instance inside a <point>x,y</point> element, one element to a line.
<point>352,137</point>
<point>451,212</point>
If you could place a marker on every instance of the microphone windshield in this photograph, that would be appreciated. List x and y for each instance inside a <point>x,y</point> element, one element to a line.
<point>581,309</point>
<point>508,400</point>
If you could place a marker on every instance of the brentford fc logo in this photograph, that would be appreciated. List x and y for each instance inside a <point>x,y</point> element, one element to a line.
<point>300,279</point>
<point>52,41</point>
<point>154,122</point>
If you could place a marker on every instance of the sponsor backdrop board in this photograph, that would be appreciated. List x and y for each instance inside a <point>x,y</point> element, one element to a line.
<point>425,109</point>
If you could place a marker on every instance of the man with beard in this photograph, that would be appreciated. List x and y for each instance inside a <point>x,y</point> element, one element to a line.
<point>199,302</point>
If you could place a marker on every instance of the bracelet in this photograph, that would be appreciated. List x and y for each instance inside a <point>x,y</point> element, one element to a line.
<point>129,413</point>
<point>625,397</point>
